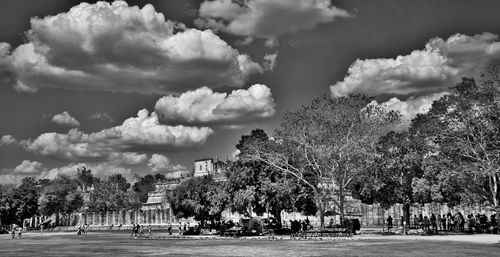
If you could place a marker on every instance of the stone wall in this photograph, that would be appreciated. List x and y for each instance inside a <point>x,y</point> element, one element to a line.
<point>369,215</point>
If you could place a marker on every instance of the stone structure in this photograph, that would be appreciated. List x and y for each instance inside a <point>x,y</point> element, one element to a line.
<point>157,205</point>
<point>210,166</point>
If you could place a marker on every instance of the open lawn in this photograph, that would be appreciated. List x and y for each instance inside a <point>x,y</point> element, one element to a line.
<point>121,244</point>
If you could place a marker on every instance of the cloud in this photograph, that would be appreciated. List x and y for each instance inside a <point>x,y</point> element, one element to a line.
<point>14,179</point>
<point>266,19</point>
<point>270,61</point>
<point>162,164</point>
<point>119,48</point>
<point>436,68</point>
<point>205,106</point>
<point>65,119</point>
<point>271,42</point>
<point>98,169</point>
<point>410,107</point>
<point>136,134</point>
<point>102,116</point>
<point>28,167</point>
<point>8,140</point>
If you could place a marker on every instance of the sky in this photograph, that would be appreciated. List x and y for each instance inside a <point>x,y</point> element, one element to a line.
<point>141,87</point>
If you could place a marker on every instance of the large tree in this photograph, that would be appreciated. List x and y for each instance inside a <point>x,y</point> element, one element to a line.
<point>391,178</point>
<point>253,186</point>
<point>325,144</point>
<point>464,127</point>
<point>191,198</point>
<point>112,193</point>
<point>60,196</point>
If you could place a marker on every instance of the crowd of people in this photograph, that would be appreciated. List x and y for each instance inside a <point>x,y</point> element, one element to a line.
<point>479,223</point>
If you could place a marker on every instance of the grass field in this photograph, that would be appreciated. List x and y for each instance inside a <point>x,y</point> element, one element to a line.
<point>121,244</point>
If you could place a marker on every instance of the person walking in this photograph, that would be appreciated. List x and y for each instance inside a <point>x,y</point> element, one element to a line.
<point>389,223</point>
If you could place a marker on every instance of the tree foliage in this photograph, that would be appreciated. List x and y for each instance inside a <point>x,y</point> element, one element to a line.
<point>325,144</point>
<point>191,198</point>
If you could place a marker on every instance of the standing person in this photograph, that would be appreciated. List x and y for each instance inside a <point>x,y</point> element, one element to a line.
<point>135,229</point>
<point>141,230</point>
<point>169,229</point>
<point>416,221</point>
<point>433,222</point>
<point>41,230</point>
<point>185,228</point>
<point>443,222</point>
<point>389,223</point>
<point>149,230</point>
<point>180,228</point>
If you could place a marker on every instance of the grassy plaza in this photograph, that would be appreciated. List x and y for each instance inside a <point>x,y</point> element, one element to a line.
<point>121,244</point>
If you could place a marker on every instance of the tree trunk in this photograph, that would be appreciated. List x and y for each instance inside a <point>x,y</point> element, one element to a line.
<point>493,188</point>
<point>321,212</point>
<point>406,212</point>
<point>341,202</point>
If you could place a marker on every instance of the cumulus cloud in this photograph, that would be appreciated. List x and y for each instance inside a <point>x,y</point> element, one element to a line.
<point>98,169</point>
<point>270,61</point>
<point>65,119</point>
<point>102,116</point>
<point>436,68</point>
<point>7,140</point>
<point>205,106</point>
<point>28,167</point>
<point>410,107</point>
<point>120,48</point>
<point>162,164</point>
<point>263,18</point>
<point>136,134</point>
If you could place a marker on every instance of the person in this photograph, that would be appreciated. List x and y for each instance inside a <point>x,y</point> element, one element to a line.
<point>389,223</point>
<point>304,229</point>
<point>169,229</point>
<point>150,230</point>
<point>443,222</point>
<point>119,226</point>
<point>330,225</point>
<point>433,222</point>
<point>41,229</point>
<point>133,229</point>
<point>111,226</point>
<point>180,228</point>
<point>426,224</point>
<point>141,230</point>
<point>416,221</point>
<point>14,231</point>
<point>79,230</point>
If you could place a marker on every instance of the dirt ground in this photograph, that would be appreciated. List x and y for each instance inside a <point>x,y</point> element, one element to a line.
<point>121,244</point>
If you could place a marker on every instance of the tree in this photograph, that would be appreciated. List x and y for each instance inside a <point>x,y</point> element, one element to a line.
<point>191,198</point>
<point>112,193</point>
<point>467,133</point>
<point>60,196</point>
<point>254,186</point>
<point>325,144</point>
<point>391,178</point>
<point>84,177</point>
<point>146,184</point>
<point>7,205</point>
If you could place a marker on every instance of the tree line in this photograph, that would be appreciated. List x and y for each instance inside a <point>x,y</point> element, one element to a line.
<point>451,154</point>
<point>64,195</point>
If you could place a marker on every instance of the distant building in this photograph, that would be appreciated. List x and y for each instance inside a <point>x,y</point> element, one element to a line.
<point>209,166</point>
<point>157,200</point>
